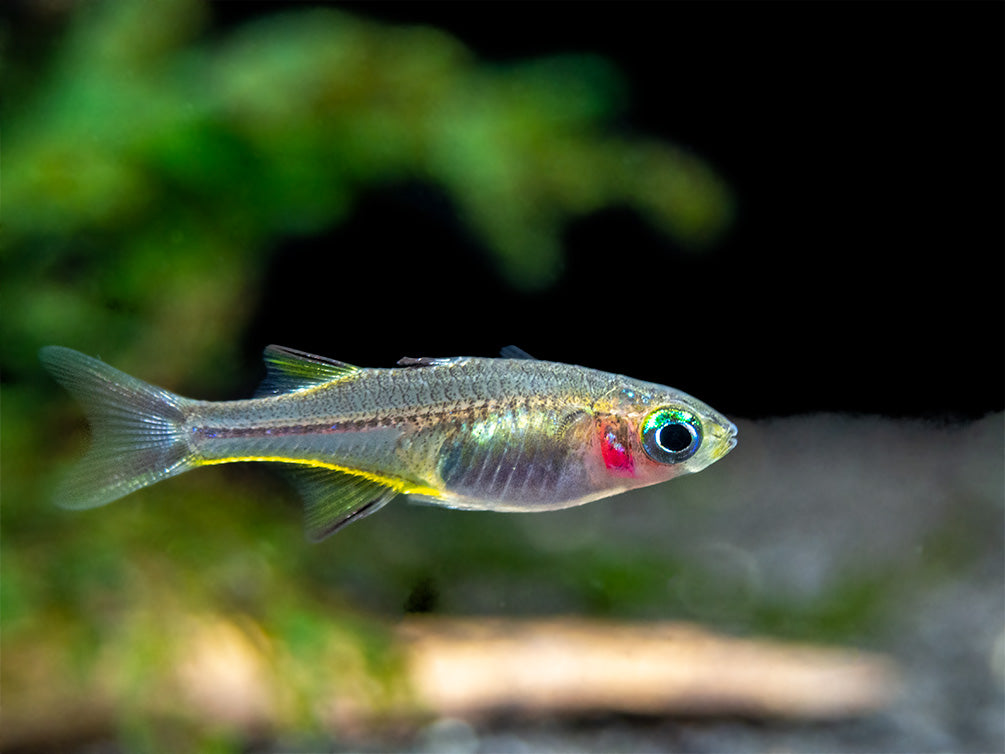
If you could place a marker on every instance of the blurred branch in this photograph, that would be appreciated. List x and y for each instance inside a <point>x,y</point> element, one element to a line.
<point>562,666</point>
<point>221,674</point>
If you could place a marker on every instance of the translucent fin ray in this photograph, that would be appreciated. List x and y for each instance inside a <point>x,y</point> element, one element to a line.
<point>515,352</point>
<point>289,370</point>
<point>429,361</point>
<point>333,499</point>
<point>137,435</point>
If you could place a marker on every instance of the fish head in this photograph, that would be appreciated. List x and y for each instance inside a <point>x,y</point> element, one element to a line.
<point>649,433</point>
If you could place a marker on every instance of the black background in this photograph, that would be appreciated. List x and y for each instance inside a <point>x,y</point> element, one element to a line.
<point>864,272</point>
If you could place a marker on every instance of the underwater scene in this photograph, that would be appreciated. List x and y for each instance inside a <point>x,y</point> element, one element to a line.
<point>498,377</point>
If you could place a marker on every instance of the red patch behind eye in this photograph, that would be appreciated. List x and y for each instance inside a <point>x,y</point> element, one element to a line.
<point>617,455</point>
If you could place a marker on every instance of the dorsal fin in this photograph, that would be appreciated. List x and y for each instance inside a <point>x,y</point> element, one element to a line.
<point>515,352</point>
<point>289,370</point>
<point>429,361</point>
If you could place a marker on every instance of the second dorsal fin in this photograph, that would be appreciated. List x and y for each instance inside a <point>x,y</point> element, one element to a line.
<point>515,352</point>
<point>289,370</point>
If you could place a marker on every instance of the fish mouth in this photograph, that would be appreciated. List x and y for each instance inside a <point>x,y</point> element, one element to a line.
<point>727,439</point>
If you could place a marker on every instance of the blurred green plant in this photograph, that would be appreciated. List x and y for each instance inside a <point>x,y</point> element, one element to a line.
<point>145,149</point>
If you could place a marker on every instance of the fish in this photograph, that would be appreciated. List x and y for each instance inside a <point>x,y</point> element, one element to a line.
<point>511,434</point>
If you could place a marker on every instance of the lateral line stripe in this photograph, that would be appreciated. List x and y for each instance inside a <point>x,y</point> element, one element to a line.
<point>398,485</point>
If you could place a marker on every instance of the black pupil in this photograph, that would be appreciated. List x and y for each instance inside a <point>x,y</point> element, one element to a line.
<point>674,437</point>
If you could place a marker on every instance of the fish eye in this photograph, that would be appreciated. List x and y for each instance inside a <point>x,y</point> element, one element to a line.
<point>671,435</point>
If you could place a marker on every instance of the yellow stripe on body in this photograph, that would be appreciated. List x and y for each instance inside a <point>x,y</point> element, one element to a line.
<point>398,485</point>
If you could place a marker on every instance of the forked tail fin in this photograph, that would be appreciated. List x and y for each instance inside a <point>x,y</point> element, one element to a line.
<point>137,429</point>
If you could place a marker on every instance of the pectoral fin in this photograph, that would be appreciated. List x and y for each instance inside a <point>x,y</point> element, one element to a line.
<point>333,499</point>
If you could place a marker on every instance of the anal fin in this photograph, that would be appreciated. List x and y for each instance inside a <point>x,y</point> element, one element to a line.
<point>333,499</point>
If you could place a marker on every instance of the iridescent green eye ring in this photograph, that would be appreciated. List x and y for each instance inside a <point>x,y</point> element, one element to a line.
<point>671,435</point>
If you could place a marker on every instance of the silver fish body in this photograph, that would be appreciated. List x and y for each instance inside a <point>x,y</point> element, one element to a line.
<point>511,434</point>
